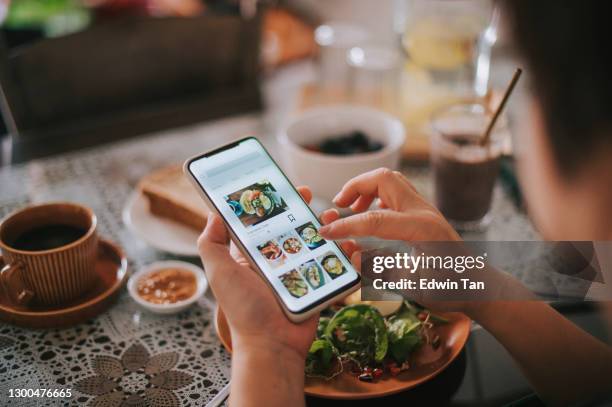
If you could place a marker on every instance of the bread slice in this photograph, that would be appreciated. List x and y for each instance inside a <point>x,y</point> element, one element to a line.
<point>171,196</point>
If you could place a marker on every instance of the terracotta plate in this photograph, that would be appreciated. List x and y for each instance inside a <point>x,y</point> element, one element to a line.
<point>427,364</point>
<point>111,272</point>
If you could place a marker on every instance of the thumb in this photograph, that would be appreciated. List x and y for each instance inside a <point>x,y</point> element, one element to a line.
<point>214,232</point>
<point>214,250</point>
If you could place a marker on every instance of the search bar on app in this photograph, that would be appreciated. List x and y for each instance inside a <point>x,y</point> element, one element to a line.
<point>245,162</point>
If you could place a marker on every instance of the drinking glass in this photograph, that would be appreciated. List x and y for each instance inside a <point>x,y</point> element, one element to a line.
<point>373,76</point>
<point>465,170</point>
<point>447,45</point>
<point>442,37</point>
<point>335,39</point>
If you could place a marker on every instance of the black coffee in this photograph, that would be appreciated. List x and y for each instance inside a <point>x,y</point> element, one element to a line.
<point>47,237</point>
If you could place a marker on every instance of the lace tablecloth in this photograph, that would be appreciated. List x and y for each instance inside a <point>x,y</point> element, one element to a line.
<point>126,354</point>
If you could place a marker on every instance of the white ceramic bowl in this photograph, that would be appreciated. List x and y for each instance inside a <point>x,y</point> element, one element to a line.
<point>202,285</point>
<point>324,173</point>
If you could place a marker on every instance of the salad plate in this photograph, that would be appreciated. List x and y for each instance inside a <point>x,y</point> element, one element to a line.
<point>425,362</point>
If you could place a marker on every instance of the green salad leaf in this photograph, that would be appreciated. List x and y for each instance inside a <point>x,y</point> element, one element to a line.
<point>323,321</point>
<point>404,335</point>
<point>320,357</point>
<point>407,311</point>
<point>359,334</point>
<point>404,338</point>
<point>359,331</point>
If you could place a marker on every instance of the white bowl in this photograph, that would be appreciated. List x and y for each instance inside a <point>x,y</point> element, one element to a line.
<point>176,307</point>
<point>325,173</point>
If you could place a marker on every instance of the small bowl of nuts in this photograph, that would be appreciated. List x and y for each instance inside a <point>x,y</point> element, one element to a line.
<point>167,287</point>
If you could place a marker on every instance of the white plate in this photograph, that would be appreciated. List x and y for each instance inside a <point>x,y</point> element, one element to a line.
<point>162,234</point>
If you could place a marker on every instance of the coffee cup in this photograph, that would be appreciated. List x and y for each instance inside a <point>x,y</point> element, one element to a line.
<point>49,253</point>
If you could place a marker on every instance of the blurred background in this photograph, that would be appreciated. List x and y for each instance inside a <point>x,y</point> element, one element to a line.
<point>76,73</point>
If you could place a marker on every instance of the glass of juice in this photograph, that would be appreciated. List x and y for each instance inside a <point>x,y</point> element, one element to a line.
<point>447,46</point>
<point>464,169</point>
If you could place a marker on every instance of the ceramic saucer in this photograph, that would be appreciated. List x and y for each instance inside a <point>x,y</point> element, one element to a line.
<point>111,274</point>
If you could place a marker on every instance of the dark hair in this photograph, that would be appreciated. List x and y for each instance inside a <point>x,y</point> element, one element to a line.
<point>567,49</point>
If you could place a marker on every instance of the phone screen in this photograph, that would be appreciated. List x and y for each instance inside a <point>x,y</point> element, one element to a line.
<point>274,224</point>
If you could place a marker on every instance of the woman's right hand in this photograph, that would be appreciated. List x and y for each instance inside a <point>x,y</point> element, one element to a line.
<point>403,215</point>
<point>409,216</point>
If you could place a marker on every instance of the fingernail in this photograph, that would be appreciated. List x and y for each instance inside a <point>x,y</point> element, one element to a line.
<point>336,198</point>
<point>324,229</point>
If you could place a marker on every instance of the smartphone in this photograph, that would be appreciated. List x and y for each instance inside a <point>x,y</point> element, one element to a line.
<point>273,226</point>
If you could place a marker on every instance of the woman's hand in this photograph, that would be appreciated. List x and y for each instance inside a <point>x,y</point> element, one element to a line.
<point>253,313</point>
<point>407,216</point>
<point>268,350</point>
<point>410,218</point>
<point>404,215</point>
<point>544,333</point>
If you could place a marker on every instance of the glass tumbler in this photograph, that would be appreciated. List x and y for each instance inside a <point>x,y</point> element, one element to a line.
<point>374,76</point>
<point>465,170</point>
<point>335,39</point>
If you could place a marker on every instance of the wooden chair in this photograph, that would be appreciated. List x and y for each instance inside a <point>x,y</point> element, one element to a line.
<point>127,77</point>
